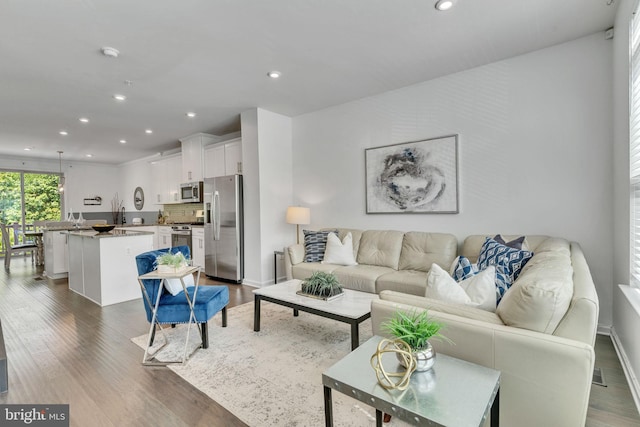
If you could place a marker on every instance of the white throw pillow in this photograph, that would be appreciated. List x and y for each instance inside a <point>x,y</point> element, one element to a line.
<point>175,287</point>
<point>337,252</point>
<point>478,291</point>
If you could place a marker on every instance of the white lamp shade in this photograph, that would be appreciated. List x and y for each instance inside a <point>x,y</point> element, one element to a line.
<point>298,215</point>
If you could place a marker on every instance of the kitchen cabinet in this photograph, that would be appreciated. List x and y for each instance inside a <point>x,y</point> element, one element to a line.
<point>197,246</point>
<point>167,176</point>
<point>164,237</point>
<point>223,159</point>
<point>192,158</point>
<point>56,254</point>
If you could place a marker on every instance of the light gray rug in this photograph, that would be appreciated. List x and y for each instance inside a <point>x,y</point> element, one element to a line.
<point>272,377</point>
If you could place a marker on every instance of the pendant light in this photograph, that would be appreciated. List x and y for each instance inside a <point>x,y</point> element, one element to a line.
<point>61,179</point>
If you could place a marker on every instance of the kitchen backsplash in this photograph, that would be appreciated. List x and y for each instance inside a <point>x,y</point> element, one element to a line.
<point>183,212</point>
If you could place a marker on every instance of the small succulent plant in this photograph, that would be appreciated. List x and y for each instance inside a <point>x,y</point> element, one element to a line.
<point>322,284</point>
<point>414,328</point>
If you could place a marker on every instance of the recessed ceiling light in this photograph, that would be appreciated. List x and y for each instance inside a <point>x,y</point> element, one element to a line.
<point>123,141</point>
<point>63,132</point>
<point>110,52</point>
<point>89,155</point>
<point>27,149</point>
<point>444,4</point>
<point>119,97</point>
<point>274,74</point>
<point>191,114</point>
<point>149,131</point>
<point>84,120</point>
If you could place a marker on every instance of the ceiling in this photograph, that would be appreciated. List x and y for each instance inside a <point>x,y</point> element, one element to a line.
<point>212,57</point>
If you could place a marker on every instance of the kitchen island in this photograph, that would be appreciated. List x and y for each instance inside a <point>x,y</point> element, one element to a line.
<point>102,266</point>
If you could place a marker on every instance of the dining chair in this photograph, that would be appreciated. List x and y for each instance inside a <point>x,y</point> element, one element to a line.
<point>9,249</point>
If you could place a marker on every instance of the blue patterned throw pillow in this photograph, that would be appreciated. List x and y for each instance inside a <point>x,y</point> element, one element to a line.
<point>494,253</point>
<point>315,243</point>
<point>463,269</point>
<point>503,281</point>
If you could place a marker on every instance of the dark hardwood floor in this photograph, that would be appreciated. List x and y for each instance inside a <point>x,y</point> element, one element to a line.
<point>63,348</point>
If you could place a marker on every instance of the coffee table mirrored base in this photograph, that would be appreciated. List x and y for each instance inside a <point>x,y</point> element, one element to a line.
<point>454,392</point>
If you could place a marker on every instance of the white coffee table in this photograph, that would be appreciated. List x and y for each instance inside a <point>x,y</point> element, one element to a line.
<point>353,307</point>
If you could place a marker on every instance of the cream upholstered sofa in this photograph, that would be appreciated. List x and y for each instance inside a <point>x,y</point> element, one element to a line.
<point>387,260</point>
<point>540,338</point>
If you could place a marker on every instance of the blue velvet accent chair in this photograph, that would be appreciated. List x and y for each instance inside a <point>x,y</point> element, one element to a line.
<point>175,309</point>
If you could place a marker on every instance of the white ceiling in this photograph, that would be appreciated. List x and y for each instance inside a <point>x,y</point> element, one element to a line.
<point>212,57</point>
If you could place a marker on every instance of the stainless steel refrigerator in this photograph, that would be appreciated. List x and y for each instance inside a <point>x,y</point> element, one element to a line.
<point>223,228</point>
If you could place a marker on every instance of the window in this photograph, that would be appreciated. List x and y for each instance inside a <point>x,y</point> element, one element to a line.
<point>26,197</point>
<point>634,146</point>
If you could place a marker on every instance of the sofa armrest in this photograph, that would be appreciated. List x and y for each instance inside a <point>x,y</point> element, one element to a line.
<point>545,379</point>
<point>293,255</point>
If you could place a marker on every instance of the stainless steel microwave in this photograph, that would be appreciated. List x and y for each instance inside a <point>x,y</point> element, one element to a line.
<point>191,192</point>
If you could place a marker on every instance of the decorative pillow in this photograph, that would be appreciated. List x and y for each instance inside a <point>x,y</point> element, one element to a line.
<point>493,253</point>
<point>462,268</point>
<point>478,290</point>
<point>315,243</point>
<point>339,252</point>
<point>519,243</point>
<point>175,287</point>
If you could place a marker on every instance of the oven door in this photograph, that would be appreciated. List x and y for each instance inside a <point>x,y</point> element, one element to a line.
<point>181,238</point>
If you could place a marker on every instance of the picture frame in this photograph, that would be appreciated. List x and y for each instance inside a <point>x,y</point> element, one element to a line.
<point>413,177</point>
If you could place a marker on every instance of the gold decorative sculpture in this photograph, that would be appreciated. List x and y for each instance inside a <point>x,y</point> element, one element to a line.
<point>385,379</point>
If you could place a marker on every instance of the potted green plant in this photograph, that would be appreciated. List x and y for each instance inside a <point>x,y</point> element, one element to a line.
<point>171,263</point>
<point>415,329</point>
<point>321,285</point>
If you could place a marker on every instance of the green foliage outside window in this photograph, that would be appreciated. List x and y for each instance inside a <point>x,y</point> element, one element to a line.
<point>41,197</point>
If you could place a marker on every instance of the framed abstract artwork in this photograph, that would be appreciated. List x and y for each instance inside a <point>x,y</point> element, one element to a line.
<point>413,177</point>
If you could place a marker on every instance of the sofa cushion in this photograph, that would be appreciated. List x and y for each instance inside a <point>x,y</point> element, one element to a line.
<point>411,282</point>
<point>380,248</point>
<point>540,297</point>
<point>478,290</point>
<point>472,244</point>
<point>466,311</point>
<point>420,250</point>
<point>360,277</point>
<point>494,253</point>
<point>304,270</point>
<point>339,252</point>
<point>315,243</point>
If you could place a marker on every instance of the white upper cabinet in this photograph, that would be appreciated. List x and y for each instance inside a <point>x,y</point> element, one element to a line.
<point>166,180</point>
<point>192,156</point>
<point>223,159</point>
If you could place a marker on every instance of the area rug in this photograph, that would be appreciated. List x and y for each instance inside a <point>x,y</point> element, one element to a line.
<point>272,377</point>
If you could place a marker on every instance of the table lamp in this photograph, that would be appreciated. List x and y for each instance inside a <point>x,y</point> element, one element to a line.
<point>298,215</point>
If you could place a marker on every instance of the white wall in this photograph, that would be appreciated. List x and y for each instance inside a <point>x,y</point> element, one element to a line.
<point>266,157</point>
<point>534,151</point>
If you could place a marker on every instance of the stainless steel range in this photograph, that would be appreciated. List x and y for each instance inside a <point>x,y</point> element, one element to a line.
<point>181,236</point>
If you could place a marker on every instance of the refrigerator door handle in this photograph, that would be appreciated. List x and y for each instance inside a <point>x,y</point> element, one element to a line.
<point>216,215</point>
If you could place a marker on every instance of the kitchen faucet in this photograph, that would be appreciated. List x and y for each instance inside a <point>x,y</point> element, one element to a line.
<point>124,220</point>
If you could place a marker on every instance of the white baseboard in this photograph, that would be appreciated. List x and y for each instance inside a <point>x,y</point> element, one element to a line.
<point>604,330</point>
<point>632,380</point>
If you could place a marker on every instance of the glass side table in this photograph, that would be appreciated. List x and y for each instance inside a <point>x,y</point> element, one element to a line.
<point>192,317</point>
<point>453,393</point>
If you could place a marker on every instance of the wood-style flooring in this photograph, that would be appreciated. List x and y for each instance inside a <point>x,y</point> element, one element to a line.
<point>63,348</point>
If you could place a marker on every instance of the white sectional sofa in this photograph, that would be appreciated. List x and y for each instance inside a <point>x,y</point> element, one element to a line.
<point>541,337</point>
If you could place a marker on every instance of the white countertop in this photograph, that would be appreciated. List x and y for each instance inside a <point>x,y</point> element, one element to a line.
<point>114,233</point>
